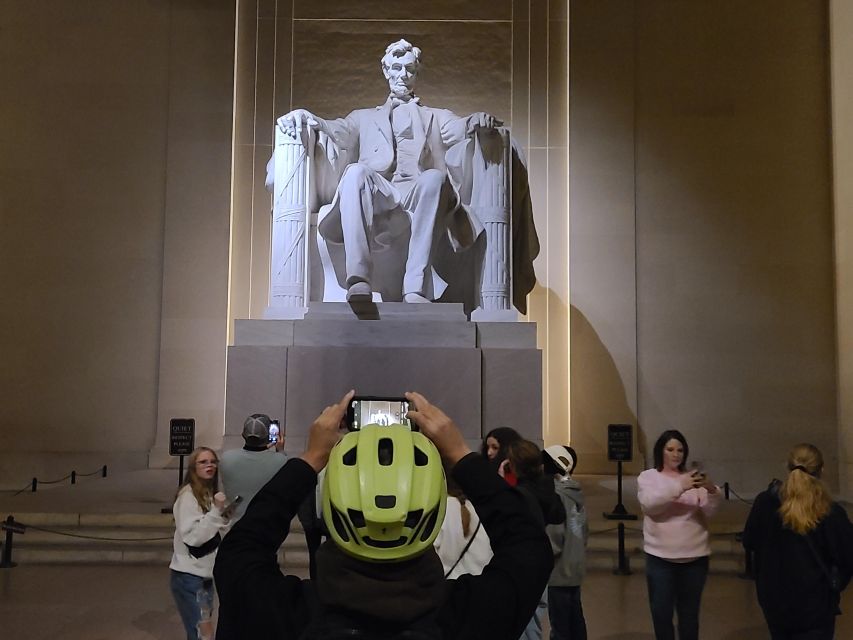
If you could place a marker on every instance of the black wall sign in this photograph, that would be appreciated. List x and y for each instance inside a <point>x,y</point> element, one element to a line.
<point>620,442</point>
<point>181,436</point>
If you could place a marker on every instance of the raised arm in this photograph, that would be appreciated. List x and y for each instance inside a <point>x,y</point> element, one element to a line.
<point>511,584</point>
<point>195,527</point>
<point>252,590</point>
<point>656,491</point>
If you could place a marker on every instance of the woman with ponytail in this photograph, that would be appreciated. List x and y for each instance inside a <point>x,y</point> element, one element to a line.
<point>462,544</point>
<point>803,546</point>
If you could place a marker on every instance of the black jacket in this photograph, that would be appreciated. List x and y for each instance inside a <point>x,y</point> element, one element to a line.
<point>793,590</point>
<point>542,499</point>
<point>257,602</point>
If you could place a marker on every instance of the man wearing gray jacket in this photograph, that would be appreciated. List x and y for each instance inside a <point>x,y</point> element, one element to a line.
<point>568,541</point>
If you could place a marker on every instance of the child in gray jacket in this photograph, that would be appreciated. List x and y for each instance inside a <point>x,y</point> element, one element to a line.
<point>568,541</point>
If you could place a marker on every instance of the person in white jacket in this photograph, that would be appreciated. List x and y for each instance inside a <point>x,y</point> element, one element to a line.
<point>200,521</point>
<point>676,504</point>
<point>462,543</point>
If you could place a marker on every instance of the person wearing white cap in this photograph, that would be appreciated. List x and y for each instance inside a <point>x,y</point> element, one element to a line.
<point>244,471</point>
<point>568,540</point>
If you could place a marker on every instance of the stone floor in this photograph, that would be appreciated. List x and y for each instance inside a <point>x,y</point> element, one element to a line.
<point>133,603</point>
<point>94,602</point>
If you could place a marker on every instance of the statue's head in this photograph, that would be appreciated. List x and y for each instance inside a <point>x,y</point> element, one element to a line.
<point>400,67</point>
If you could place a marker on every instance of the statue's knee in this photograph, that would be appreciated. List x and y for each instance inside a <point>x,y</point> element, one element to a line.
<point>355,175</point>
<point>432,179</point>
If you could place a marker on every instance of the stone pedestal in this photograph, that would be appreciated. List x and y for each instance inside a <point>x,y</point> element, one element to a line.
<point>483,375</point>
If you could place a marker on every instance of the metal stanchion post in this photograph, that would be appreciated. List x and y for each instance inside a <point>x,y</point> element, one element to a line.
<point>623,568</point>
<point>11,527</point>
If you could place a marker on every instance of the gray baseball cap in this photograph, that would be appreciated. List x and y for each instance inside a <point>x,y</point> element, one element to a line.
<point>256,429</point>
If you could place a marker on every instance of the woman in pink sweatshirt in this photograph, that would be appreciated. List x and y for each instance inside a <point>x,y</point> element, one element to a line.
<point>676,504</point>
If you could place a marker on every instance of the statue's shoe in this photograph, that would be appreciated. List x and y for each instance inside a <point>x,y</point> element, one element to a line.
<point>415,297</point>
<point>359,292</point>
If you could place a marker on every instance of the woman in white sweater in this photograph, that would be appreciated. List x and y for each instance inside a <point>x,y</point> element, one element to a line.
<point>199,523</point>
<point>675,504</point>
<point>462,543</point>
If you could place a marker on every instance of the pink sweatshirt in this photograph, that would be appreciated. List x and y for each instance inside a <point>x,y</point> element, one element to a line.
<point>675,523</point>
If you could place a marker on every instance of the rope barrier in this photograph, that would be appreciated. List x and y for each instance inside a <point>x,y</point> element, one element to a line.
<point>26,488</point>
<point>55,481</point>
<point>744,500</point>
<point>11,526</point>
<point>33,486</point>
<point>85,537</point>
<point>102,471</point>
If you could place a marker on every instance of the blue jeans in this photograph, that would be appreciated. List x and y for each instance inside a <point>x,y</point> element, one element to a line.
<point>194,598</point>
<point>675,587</point>
<point>566,613</point>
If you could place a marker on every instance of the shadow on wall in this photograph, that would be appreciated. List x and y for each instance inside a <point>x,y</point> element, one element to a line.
<point>599,399</point>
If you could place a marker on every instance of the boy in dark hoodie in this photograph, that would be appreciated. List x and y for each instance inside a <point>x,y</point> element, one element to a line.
<point>568,541</point>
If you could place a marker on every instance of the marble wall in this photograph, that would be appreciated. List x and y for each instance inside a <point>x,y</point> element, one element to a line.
<point>702,231</point>
<point>114,207</point>
<point>841,26</point>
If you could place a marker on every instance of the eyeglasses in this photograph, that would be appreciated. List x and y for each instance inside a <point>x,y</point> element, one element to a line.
<point>203,463</point>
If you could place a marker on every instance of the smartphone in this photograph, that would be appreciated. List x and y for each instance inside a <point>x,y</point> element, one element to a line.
<point>229,506</point>
<point>696,468</point>
<point>379,410</point>
<point>274,431</point>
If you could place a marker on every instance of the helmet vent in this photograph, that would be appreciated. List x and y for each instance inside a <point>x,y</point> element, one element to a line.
<point>430,525</point>
<point>413,518</point>
<point>421,458</point>
<point>337,521</point>
<point>349,457</point>
<point>386,451</point>
<point>385,502</point>
<point>356,517</point>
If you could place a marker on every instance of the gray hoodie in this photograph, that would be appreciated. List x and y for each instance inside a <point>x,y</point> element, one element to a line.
<point>568,540</point>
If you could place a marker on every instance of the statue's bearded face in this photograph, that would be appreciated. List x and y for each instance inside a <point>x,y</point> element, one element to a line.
<point>402,74</point>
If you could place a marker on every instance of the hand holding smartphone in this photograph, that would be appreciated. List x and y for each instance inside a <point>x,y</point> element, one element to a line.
<point>379,410</point>
<point>229,507</point>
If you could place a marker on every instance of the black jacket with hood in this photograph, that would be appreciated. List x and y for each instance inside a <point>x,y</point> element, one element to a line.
<point>258,602</point>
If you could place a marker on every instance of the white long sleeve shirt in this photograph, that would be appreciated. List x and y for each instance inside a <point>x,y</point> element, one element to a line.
<point>451,541</point>
<point>193,527</point>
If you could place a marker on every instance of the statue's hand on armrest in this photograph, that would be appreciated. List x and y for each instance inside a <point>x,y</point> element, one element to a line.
<point>293,123</point>
<point>482,120</point>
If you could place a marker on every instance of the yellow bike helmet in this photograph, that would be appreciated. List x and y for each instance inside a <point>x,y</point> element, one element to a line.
<point>384,494</point>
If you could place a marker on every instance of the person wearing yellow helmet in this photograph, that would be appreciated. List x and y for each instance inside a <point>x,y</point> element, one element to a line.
<point>379,577</point>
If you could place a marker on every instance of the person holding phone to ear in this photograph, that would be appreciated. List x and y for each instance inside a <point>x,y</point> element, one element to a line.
<point>676,504</point>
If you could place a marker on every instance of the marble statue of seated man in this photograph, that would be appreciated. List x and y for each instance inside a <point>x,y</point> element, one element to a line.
<point>394,177</point>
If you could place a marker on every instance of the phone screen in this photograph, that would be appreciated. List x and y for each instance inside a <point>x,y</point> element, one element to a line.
<point>274,431</point>
<point>377,410</point>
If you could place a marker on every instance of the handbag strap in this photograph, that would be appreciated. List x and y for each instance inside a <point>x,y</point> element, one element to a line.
<point>464,551</point>
<point>823,568</point>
